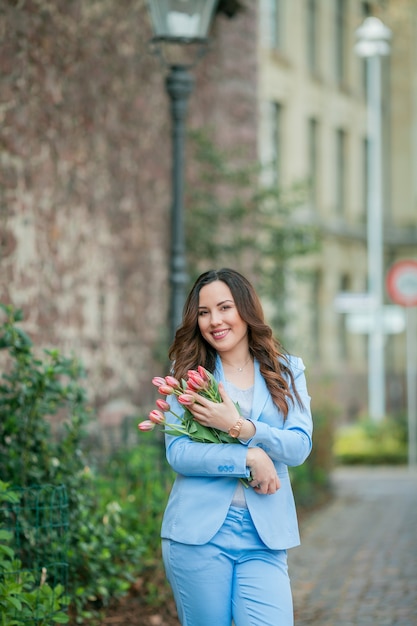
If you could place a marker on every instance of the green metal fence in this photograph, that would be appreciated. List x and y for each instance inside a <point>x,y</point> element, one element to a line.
<point>36,575</point>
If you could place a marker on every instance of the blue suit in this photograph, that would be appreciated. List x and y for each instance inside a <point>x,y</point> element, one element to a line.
<point>207,474</point>
<point>224,562</point>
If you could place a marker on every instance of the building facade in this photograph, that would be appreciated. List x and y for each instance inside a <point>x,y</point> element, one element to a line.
<point>313,128</point>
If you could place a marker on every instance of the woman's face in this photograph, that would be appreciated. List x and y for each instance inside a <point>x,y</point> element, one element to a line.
<point>219,320</point>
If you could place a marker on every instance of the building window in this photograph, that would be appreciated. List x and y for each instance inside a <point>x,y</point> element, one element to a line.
<point>340,43</point>
<point>276,142</point>
<point>271,143</point>
<point>340,177</point>
<point>345,286</point>
<point>276,23</point>
<point>364,76</point>
<point>366,12</point>
<point>366,9</point>
<point>316,287</point>
<point>312,36</point>
<point>313,165</point>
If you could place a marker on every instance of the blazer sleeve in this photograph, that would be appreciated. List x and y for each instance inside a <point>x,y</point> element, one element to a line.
<point>288,441</point>
<point>191,458</point>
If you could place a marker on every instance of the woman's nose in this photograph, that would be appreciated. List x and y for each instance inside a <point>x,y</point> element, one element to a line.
<point>216,318</point>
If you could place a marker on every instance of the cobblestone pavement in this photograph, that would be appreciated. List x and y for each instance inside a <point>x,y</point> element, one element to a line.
<point>357,563</point>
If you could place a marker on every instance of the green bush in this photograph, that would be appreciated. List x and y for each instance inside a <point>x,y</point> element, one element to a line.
<point>139,479</point>
<point>102,556</point>
<point>311,481</point>
<point>371,442</point>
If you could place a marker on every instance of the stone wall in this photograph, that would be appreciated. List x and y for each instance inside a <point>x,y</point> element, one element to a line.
<point>85,153</point>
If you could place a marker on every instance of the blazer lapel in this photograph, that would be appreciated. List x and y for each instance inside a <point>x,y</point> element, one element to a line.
<point>260,395</point>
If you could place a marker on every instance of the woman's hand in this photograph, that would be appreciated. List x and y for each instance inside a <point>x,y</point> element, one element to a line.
<point>264,476</point>
<point>221,415</point>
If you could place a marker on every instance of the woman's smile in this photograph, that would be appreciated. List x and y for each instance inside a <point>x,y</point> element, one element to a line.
<point>219,334</point>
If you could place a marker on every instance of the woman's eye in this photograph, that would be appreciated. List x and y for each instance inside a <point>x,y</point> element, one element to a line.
<point>200,313</point>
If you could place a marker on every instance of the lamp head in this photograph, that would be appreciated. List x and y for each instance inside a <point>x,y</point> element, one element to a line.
<point>181,21</point>
<point>372,38</point>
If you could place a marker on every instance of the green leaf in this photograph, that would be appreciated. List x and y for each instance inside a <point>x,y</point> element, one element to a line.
<point>15,602</point>
<point>61,618</point>
<point>5,535</point>
<point>7,551</point>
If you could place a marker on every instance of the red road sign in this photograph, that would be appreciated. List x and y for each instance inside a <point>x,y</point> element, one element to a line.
<point>401,282</point>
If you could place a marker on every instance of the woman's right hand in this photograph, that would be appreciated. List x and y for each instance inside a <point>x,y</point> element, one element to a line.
<point>264,476</point>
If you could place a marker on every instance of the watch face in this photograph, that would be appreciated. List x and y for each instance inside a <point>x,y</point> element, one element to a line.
<point>235,430</point>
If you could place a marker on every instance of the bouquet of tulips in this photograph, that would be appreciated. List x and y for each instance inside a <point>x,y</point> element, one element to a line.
<point>200,381</point>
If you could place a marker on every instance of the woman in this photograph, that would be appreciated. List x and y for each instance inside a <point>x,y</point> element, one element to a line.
<point>224,545</point>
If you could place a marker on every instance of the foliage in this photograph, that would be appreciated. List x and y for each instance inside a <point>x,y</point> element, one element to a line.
<point>23,599</point>
<point>30,390</point>
<point>102,556</point>
<point>371,442</point>
<point>311,481</point>
<point>234,220</point>
<point>140,480</point>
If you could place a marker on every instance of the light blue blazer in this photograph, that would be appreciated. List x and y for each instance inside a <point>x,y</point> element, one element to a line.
<point>207,474</point>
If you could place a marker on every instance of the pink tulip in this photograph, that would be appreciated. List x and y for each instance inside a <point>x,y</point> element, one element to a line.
<point>156,417</point>
<point>171,381</point>
<point>192,386</point>
<point>186,399</point>
<point>195,381</point>
<point>162,404</point>
<point>146,425</point>
<point>166,390</point>
<point>203,373</point>
<point>158,381</point>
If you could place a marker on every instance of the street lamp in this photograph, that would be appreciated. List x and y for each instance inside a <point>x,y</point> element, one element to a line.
<point>372,43</point>
<point>179,23</point>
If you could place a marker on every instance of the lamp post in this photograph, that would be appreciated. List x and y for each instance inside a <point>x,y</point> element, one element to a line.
<point>373,43</point>
<point>179,23</point>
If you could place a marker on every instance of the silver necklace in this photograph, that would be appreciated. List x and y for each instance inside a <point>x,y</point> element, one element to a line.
<point>239,369</point>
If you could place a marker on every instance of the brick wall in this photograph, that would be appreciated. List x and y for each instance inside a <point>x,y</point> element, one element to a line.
<point>85,159</point>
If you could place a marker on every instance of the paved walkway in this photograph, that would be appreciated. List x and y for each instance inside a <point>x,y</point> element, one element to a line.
<point>357,563</point>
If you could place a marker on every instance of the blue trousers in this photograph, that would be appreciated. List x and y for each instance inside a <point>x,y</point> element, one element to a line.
<point>233,577</point>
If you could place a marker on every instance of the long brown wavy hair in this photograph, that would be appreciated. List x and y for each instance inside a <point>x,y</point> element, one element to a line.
<point>190,349</point>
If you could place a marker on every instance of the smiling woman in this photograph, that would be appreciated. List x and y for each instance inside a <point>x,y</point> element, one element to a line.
<point>224,546</point>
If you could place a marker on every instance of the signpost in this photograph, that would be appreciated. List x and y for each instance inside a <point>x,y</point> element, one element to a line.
<point>393,321</point>
<point>347,301</point>
<point>373,42</point>
<point>401,283</point>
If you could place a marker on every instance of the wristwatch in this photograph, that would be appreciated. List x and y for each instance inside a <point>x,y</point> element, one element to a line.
<point>234,431</point>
